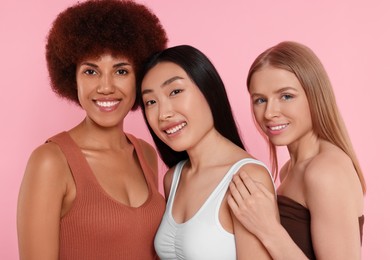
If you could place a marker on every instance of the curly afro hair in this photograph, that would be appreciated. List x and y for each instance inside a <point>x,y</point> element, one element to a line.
<point>94,27</point>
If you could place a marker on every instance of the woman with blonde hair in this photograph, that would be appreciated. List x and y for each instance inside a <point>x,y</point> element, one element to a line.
<point>320,197</point>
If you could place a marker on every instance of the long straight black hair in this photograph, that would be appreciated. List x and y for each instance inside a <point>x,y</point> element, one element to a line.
<point>203,73</point>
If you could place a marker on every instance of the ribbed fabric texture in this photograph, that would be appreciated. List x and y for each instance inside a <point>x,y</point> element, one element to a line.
<point>97,226</point>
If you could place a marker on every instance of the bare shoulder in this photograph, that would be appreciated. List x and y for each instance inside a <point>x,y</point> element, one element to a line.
<point>330,165</point>
<point>330,177</point>
<point>47,160</point>
<point>259,173</point>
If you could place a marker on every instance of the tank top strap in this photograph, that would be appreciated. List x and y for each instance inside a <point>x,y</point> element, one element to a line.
<point>148,172</point>
<point>79,167</point>
<point>222,187</point>
<point>175,182</point>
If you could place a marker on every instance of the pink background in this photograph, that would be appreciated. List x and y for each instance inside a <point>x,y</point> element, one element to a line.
<point>350,37</point>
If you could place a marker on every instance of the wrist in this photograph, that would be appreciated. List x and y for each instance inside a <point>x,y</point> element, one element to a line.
<point>272,237</point>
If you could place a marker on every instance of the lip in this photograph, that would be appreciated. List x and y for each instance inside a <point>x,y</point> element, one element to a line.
<point>174,128</point>
<point>276,129</point>
<point>107,105</point>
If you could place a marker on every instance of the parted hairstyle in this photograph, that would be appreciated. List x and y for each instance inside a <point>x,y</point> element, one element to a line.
<point>204,75</point>
<point>95,27</point>
<point>326,118</point>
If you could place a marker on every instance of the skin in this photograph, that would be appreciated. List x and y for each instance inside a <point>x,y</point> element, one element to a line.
<point>48,189</point>
<point>319,176</point>
<point>170,99</point>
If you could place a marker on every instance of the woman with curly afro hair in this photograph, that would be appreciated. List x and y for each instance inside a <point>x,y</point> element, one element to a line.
<point>91,192</point>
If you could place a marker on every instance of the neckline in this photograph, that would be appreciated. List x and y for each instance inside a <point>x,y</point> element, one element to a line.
<point>282,197</point>
<point>285,198</point>
<point>143,165</point>
<point>177,174</point>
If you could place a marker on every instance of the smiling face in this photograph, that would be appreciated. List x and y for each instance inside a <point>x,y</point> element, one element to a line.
<point>280,106</point>
<point>106,89</point>
<point>175,108</point>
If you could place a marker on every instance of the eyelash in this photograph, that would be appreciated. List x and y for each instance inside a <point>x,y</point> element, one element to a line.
<point>93,72</point>
<point>172,93</point>
<point>259,101</point>
<point>284,97</point>
<point>175,92</point>
<point>287,96</point>
<point>149,103</point>
<point>90,72</point>
<point>122,72</point>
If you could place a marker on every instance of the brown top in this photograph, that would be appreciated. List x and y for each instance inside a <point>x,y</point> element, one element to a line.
<point>295,218</point>
<point>99,227</point>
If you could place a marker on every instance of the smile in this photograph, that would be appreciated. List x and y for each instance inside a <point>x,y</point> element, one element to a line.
<point>107,104</point>
<point>175,129</point>
<point>278,127</point>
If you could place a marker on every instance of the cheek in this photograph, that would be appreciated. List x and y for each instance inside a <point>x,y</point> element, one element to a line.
<point>152,118</point>
<point>128,87</point>
<point>258,114</point>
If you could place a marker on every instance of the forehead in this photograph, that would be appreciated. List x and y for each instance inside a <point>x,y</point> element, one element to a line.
<point>270,79</point>
<point>162,72</point>
<point>105,56</point>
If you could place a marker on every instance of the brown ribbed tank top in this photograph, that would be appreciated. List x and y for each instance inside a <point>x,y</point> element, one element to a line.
<point>295,218</point>
<point>99,227</point>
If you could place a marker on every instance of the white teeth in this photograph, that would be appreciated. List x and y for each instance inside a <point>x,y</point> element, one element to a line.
<point>107,103</point>
<point>176,128</point>
<point>279,127</point>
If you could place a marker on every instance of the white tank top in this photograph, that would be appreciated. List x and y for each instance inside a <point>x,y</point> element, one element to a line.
<point>201,237</point>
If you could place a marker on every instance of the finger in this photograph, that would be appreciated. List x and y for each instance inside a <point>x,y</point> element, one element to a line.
<point>232,203</point>
<point>255,186</point>
<point>248,182</point>
<point>240,186</point>
<point>265,191</point>
<point>236,195</point>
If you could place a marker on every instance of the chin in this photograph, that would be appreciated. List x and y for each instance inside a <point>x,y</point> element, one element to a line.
<point>279,142</point>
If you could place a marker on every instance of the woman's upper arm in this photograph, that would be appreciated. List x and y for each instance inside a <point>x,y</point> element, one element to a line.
<point>333,205</point>
<point>248,245</point>
<point>39,204</point>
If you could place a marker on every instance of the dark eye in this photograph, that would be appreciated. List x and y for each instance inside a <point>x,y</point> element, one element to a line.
<point>90,72</point>
<point>175,92</point>
<point>149,103</point>
<point>122,72</point>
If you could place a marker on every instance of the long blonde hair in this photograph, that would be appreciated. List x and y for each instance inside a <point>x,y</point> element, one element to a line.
<point>326,118</point>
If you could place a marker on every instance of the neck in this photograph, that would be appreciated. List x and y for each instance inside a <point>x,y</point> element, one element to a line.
<point>92,136</point>
<point>304,148</point>
<point>211,150</point>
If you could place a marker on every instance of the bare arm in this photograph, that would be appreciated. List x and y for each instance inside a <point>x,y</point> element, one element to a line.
<point>39,204</point>
<point>248,245</point>
<point>335,199</point>
<point>255,207</point>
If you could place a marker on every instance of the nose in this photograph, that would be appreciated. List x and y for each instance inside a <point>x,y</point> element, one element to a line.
<point>272,110</point>
<point>106,85</point>
<point>165,110</point>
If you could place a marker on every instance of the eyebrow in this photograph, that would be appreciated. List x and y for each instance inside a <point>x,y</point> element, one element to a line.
<point>115,65</point>
<point>165,83</point>
<point>281,90</point>
<point>284,89</point>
